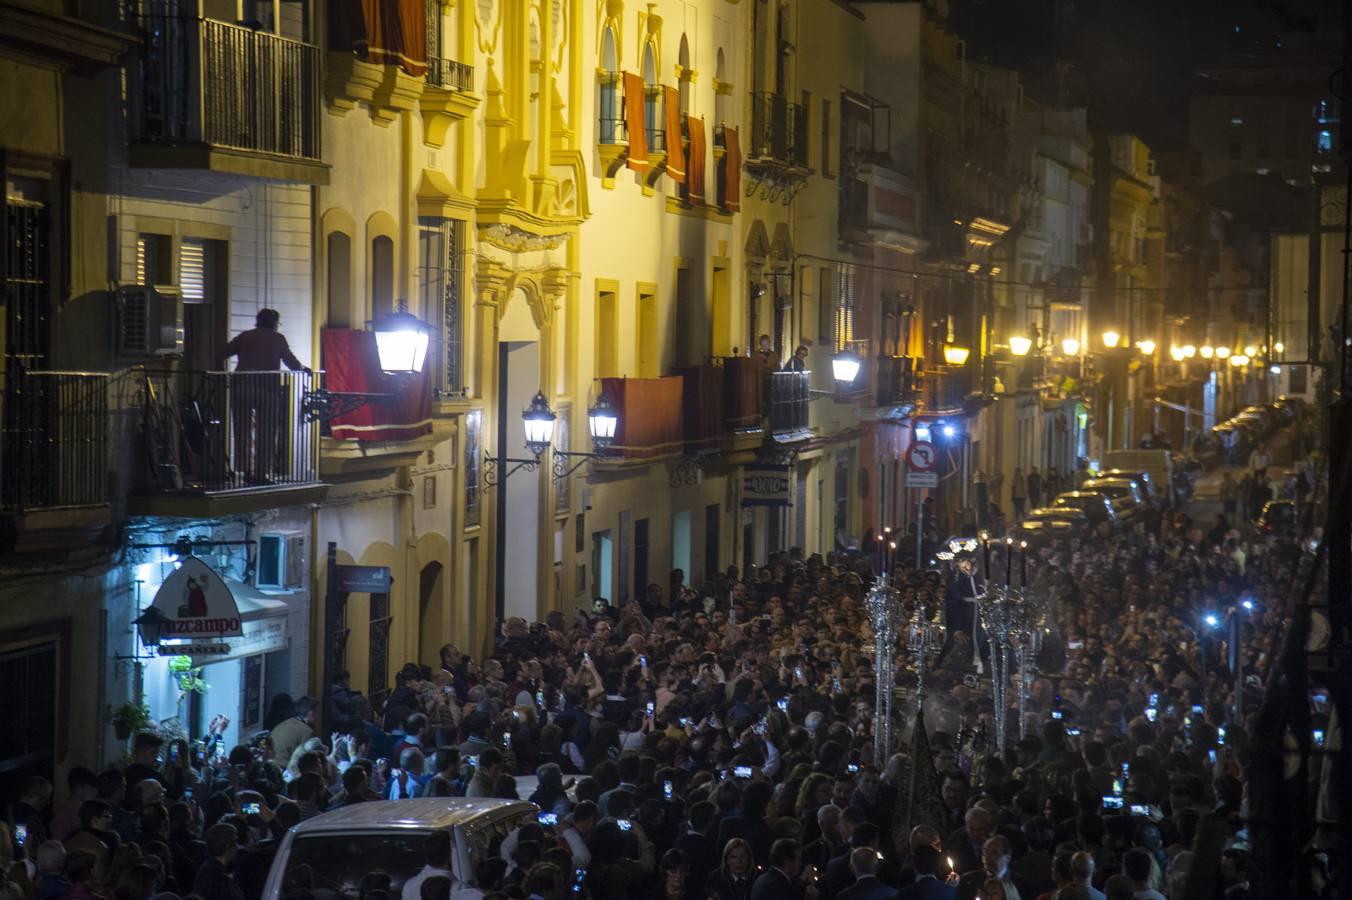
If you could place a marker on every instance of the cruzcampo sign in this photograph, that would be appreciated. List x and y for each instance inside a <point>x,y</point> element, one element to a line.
<point>197,604</point>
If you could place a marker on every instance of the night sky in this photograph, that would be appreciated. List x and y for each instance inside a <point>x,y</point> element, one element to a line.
<point>1132,62</point>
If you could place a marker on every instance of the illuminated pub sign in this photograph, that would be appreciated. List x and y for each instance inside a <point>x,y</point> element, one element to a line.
<point>197,604</point>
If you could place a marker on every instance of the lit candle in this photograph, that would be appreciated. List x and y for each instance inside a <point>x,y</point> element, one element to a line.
<point>1023,554</point>
<point>892,561</point>
<point>1009,559</point>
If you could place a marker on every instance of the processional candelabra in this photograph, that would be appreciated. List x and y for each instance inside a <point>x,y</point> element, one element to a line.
<point>1011,617</point>
<point>884,611</point>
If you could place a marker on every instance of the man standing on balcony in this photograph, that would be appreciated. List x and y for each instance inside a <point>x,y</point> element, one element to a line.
<point>258,401</point>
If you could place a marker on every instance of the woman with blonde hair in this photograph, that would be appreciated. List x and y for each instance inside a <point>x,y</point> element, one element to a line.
<point>812,796</point>
<point>732,880</point>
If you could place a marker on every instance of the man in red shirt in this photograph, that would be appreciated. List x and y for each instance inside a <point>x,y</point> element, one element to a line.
<point>260,402</point>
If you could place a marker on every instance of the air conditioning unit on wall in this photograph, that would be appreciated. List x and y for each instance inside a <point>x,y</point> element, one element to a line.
<point>149,323</point>
<point>281,561</point>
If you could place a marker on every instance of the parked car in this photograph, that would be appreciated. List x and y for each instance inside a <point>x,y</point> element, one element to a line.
<point>341,846</point>
<point>1150,492</point>
<point>1052,523</point>
<point>1095,506</point>
<point>1124,493</point>
<point>1159,463</point>
<point>1278,517</point>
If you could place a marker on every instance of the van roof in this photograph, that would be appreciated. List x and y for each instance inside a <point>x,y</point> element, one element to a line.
<point>422,814</point>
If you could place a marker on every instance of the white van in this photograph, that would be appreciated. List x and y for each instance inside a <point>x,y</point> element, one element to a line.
<point>1159,463</point>
<point>342,846</point>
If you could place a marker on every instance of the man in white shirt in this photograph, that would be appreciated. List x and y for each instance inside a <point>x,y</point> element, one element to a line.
<point>437,852</point>
<point>1259,460</point>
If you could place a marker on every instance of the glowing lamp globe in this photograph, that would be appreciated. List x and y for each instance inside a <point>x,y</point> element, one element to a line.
<point>845,367</point>
<point>538,420</point>
<point>401,343</point>
<point>1070,347</point>
<point>955,355</point>
<point>602,420</point>
<point>1019,345</point>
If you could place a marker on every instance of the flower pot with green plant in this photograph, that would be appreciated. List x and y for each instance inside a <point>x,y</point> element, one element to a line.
<point>130,718</point>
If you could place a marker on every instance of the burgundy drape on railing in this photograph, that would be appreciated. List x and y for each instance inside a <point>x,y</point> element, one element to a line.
<point>694,178</point>
<point>382,32</point>
<point>651,423</point>
<point>675,145</point>
<point>637,158</point>
<point>703,406</point>
<point>352,365</point>
<point>743,392</point>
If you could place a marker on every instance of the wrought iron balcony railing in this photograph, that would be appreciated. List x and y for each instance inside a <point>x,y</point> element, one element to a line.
<point>778,130</point>
<point>54,443</point>
<point>208,82</point>
<point>207,432</point>
<point>787,403</point>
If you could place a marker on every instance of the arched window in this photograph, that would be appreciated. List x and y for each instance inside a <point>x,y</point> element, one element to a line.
<point>652,99</point>
<point>609,107</point>
<point>721,91</point>
<point>683,75</point>
<point>340,280</point>
<point>382,276</point>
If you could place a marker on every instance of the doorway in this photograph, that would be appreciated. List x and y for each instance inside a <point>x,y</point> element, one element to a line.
<point>519,522</point>
<point>680,543</point>
<point>432,626</point>
<point>603,559</point>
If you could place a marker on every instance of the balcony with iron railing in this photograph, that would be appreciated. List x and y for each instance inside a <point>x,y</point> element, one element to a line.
<point>224,442</point>
<point>893,382</point>
<point>879,204</point>
<point>778,133</point>
<point>222,97</point>
<point>724,404</point>
<point>53,457</point>
<point>787,405</point>
<point>944,388</point>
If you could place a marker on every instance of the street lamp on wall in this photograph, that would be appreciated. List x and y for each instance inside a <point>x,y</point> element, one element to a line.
<point>845,367</point>
<point>538,421</point>
<point>1110,339</point>
<point>1070,347</point>
<point>955,354</point>
<point>1020,344</point>
<point>150,626</point>
<point>402,340</point>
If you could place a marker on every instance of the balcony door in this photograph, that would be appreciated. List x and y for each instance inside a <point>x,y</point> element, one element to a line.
<point>519,379</point>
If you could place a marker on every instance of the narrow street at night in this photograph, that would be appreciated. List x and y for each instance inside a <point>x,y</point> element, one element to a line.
<point>675,450</point>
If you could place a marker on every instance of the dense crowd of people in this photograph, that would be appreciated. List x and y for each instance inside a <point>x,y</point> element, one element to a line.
<point>717,741</point>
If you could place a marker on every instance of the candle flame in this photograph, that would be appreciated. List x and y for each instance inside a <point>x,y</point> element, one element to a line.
<point>950,862</point>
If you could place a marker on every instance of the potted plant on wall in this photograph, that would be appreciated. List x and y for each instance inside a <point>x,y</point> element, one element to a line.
<point>188,677</point>
<point>130,718</point>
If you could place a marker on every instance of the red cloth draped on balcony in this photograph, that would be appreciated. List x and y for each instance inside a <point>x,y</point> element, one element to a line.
<point>382,32</point>
<point>352,365</point>
<point>633,123</point>
<point>675,148</point>
<point>651,423</point>
<point>732,170</point>
<point>743,392</point>
<point>703,407</point>
<point>694,178</point>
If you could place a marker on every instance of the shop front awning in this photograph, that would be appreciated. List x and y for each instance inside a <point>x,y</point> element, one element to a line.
<point>263,619</point>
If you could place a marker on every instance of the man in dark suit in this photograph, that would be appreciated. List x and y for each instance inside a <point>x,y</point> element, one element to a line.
<point>701,857</point>
<point>780,881</point>
<point>964,845</point>
<point>928,883</point>
<point>838,871</point>
<point>864,864</point>
<point>827,846</point>
<point>749,824</point>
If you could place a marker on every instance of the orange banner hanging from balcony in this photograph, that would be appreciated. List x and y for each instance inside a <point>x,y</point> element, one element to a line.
<point>694,178</point>
<point>383,32</point>
<point>732,170</point>
<point>675,147</point>
<point>633,123</point>
<point>651,420</point>
<point>352,365</point>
